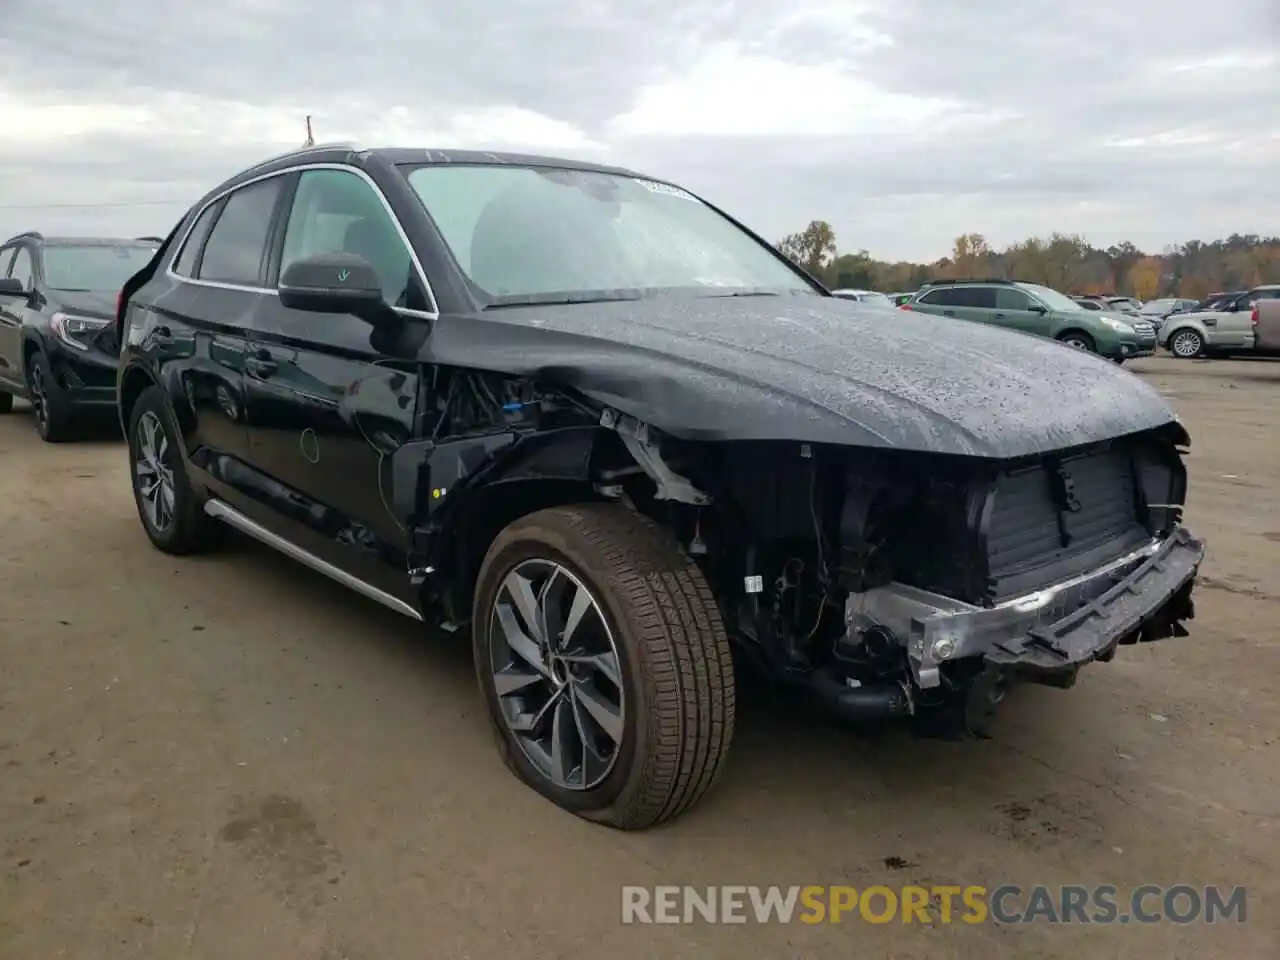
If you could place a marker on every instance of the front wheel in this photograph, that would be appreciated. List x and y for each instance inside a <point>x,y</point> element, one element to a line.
<point>1081,341</point>
<point>53,413</point>
<point>604,663</point>
<point>1186,344</point>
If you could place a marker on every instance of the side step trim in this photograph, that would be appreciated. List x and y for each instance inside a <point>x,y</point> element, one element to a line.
<point>230,515</point>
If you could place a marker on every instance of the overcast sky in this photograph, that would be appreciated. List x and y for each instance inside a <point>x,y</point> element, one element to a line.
<point>903,122</point>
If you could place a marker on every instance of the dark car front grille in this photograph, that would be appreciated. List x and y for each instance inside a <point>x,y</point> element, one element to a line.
<point>1047,526</point>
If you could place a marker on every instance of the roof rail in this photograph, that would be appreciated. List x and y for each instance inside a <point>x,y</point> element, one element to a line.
<point>151,239</point>
<point>943,283</point>
<point>303,151</point>
<point>26,234</point>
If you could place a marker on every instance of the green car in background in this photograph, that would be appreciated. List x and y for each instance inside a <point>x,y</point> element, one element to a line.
<point>1032,308</point>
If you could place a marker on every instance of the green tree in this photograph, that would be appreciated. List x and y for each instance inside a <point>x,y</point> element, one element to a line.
<point>812,248</point>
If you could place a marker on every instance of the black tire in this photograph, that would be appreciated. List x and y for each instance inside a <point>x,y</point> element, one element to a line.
<point>6,402</point>
<point>189,529</point>
<point>48,402</point>
<point>1078,339</point>
<point>676,670</point>
<point>1186,344</point>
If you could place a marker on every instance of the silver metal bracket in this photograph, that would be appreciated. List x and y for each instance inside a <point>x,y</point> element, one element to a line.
<point>635,434</point>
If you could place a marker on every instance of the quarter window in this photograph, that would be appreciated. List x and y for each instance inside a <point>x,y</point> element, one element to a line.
<point>337,211</point>
<point>185,265</point>
<point>236,248</point>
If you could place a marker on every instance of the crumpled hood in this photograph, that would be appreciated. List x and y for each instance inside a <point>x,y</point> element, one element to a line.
<point>90,303</point>
<point>815,369</point>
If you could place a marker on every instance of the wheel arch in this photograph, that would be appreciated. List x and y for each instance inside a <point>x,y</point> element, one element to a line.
<point>529,474</point>
<point>1185,326</point>
<point>133,382</point>
<point>1078,331</point>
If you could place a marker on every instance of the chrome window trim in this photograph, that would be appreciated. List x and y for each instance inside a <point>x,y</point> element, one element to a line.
<point>432,314</point>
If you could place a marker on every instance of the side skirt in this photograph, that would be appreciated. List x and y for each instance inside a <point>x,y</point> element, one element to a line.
<point>230,515</point>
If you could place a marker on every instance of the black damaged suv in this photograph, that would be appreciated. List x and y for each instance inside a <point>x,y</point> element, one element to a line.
<point>594,422</point>
<point>58,347</point>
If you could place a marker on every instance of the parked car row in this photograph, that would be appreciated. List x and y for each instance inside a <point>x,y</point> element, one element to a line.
<point>586,419</point>
<point>1032,308</point>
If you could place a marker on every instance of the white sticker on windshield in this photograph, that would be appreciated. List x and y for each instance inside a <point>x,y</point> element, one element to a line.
<point>666,189</point>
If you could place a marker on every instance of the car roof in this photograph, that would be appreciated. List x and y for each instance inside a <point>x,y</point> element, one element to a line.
<point>359,156</point>
<point>351,153</point>
<point>69,241</point>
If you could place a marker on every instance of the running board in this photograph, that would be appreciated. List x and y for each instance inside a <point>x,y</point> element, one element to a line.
<point>233,517</point>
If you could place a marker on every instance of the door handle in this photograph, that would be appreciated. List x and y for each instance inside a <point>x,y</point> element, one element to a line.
<point>948,313</point>
<point>260,364</point>
<point>999,316</point>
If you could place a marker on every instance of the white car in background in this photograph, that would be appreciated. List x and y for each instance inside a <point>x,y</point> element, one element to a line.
<point>863,296</point>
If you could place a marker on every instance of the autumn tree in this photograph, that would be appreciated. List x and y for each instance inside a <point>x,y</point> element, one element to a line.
<point>812,248</point>
<point>1062,261</point>
<point>1144,278</point>
<point>970,256</point>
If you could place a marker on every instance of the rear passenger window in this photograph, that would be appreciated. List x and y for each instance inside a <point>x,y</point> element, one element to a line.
<point>976,297</point>
<point>185,264</point>
<point>236,249</point>
<point>1007,298</point>
<point>945,297</point>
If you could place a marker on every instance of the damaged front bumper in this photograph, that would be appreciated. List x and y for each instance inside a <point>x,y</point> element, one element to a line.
<point>1145,594</point>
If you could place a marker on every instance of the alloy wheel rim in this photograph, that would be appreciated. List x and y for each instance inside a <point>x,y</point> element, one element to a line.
<point>1077,343</point>
<point>38,401</point>
<point>153,472</point>
<point>1186,344</point>
<point>557,674</point>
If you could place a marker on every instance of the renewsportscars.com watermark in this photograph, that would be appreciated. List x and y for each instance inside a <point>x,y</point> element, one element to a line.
<point>1008,904</point>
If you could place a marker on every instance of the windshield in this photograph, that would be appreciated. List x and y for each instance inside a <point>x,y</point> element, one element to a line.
<point>1051,298</point>
<point>545,235</point>
<point>1156,306</point>
<point>97,267</point>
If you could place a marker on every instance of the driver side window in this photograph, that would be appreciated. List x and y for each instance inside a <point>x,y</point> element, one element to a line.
<point>23,269</point>
<point>337,211</point>
<point>1009,298</point>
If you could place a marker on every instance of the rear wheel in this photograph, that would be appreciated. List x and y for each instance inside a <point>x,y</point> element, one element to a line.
<point>1186,344</point>
<point>604,664</point>
<point>6,402</point>
<point>168,505</point>
<point>1079,340</point>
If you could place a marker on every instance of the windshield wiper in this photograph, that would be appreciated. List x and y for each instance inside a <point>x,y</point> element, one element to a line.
<point>743,293</point>
<point>560,300</point>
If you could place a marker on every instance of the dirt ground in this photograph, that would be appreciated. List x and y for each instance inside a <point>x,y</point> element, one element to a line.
<point>229,757</point>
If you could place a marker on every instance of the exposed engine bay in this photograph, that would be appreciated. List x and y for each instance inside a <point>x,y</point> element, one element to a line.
<point>892,583</point>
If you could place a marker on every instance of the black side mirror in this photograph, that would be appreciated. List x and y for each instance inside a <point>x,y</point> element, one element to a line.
<point>12,287</point>
<point>1036,308</point>
<point>334,283</point>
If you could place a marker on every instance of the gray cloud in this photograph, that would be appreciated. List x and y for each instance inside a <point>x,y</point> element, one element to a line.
<point>1102,121</point>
